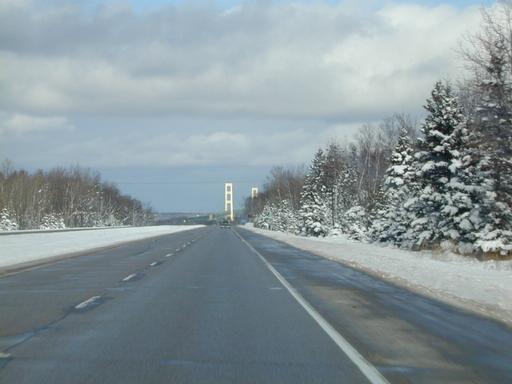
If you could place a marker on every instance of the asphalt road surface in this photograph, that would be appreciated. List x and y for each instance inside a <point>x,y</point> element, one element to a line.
<point>214,306</point>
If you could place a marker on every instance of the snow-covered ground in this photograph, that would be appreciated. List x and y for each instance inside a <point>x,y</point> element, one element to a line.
<point>26,248</point>
<point>49,230</point>
<point>485,287</point>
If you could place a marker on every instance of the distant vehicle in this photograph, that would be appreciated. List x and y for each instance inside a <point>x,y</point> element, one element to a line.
<point>225,224</point>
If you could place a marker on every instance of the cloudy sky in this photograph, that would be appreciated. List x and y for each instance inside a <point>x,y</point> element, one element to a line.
<point>171,98</point>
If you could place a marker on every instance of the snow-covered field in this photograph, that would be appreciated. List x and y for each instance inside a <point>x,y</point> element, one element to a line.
<point>26,248</point>
<point>485,287</point>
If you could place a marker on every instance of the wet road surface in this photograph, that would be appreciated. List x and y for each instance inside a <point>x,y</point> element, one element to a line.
<point>202,307</point>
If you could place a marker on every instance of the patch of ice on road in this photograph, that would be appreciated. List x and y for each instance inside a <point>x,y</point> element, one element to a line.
<point>483,286</point>
<point>25,248</point>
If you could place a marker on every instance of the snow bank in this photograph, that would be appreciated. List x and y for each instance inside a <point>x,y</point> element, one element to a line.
<point>485,287</point>
<point>25,248</point>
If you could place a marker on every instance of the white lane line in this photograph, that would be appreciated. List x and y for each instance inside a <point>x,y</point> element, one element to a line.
<point>88,302</point>
<point>129,277</point>
<point>366,368</point>
<point>169,255</point>
<point>153,263</point>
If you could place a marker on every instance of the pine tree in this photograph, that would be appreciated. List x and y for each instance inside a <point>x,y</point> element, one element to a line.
<point>432,168</point>
<point>7,221</point>
<point>313,208</point>
<point>52,221</point>
<point>288,218</point>
<point>355,223</point>
<point>457,201</point>
<point>278,216</point>
<point>288,221</point>
<point>392,220</point>
<point>347,187</point>
<point>265,220</point>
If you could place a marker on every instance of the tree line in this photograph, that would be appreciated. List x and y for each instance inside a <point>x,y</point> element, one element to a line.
<point>446,182</point>
<point>60,197</point>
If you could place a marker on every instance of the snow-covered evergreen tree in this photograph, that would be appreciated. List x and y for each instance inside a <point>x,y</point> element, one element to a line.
<point>347,187</point>
<point>263,219</point>
<point>355,223</point>
<point>7,221</point>
<point>392,220</point>
<point>278,216</point>
<point>461,215</point>
<point>313,211</point>
<point>288,218</point>
<point>52,221</point>
<point>432,167</point>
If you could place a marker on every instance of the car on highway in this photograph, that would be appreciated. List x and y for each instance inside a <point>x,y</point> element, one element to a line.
<point>225,224</point>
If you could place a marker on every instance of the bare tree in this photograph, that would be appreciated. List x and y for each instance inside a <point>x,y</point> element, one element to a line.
<point>77,196</point>
<point>488,95</point>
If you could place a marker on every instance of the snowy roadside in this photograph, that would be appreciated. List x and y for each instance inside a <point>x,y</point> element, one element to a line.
<point>20,249</point>
<point>484,287</point>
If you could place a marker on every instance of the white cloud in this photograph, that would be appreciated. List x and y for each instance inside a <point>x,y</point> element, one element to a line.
<point>321,70</point>
<point>177,148</point>
<point>21,124</point>
<point>290,60</point>
<point>14,4</point>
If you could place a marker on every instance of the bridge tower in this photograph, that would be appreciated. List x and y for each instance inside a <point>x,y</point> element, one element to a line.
<point>228,201</point>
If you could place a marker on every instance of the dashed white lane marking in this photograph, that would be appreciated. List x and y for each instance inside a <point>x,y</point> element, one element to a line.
<point>366,368</point>
<point>4,355</point>
<point>169,255</point>
<point>129,277</point>
<point>153,263</point>
<point>88,302</point>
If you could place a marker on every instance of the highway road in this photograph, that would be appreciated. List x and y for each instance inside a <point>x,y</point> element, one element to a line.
<point>229,306</point>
